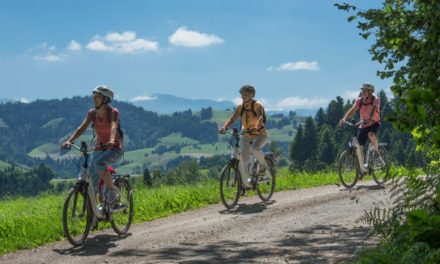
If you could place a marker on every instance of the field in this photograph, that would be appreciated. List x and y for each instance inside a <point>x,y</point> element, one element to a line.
<point>4,165</point>
<point>31,222</point>
<point>135,161</point>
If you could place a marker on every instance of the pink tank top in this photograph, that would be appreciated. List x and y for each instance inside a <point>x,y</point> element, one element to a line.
<point>365,110</point>
<point>103,127</point>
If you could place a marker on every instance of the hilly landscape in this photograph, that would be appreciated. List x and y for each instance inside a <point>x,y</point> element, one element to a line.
<point>31,133</point>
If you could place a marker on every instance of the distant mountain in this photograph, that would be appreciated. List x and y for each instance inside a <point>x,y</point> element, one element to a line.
<point>299,112</point>
<point>167,104</point>
<point>6,100</point>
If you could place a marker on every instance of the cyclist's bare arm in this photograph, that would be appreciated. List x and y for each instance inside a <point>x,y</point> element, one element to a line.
<point>231,120</point>
<point>349,113</point>
<point>85,123</point>
<point>113,131</point>
<point>259,110</point>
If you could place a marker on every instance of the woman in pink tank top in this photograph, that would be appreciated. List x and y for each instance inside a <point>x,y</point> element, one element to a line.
<point>369,107</point>
<point>108,143</point>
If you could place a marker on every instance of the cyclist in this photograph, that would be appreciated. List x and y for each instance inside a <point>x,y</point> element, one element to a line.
<point>368,106</point>
<point>251,113</point>
<point>108,144</point>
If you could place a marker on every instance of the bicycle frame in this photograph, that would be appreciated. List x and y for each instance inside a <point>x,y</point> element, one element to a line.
<point>354,144</point>
<point>236,156</point>
<point>361,158</point>
<point>85,179</point>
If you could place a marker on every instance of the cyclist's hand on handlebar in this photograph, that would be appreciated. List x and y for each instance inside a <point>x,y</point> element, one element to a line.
<point>341,122</point>
<point>222,130</point>
<point>66,145</point>
<point>109,145</point>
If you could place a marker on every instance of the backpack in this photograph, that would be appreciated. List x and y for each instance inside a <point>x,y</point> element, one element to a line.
<point>110,112</point>
<point>243,109</point>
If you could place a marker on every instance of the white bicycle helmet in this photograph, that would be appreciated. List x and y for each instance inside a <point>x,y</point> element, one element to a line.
<point>248,89</point>
<point>368,86</point>
<point>104,91</point>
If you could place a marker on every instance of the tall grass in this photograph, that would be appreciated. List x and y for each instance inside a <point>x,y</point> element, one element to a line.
<point>31,222</point>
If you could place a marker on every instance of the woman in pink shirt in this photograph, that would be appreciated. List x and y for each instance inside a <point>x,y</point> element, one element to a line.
<point>369,109</point>
<point>108,144</point>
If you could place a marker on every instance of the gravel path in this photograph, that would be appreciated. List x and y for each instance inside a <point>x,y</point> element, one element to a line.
<point>316,225</point>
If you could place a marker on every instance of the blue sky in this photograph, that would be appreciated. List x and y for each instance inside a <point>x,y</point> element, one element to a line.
<point>297,53</point>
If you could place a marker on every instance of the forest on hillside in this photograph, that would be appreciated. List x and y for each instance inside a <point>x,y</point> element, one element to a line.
<point>25,126</point>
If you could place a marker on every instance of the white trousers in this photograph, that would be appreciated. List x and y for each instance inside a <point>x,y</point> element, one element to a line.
<point>253,146</point>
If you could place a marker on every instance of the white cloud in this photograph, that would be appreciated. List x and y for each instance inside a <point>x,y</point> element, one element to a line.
<point>125,43</point>
<point>24,100</point>
<point>46,46</point>
<point>302,103</point>
<point>138,45</point>
<point>237,100</point>
<point>49,58</point>
<point>193,39</point>
<point>143,98</point>
<point>124,37</point>
<point>296,66</point>
<point>73,46</point>
<point>98,45</point>
<point>45,52</point>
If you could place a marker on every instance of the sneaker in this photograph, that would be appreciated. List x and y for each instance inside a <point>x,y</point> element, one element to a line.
<point>263,180</point>
<point>101,208</point>
<point>262,171</point>
<point>112,196</point>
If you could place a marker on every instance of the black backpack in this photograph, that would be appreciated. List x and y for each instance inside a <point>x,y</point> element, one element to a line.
<point>110,112</point>
<point>243,109</point>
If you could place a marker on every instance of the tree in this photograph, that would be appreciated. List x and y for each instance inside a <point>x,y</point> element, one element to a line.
<point>407,37</point>
<point>335,111</point>
<point>206,114</point>
<point>310,139</point>
<point>320,117</point>
<point>327,146</point>
<point>148,180</point>
<point>297,147</point>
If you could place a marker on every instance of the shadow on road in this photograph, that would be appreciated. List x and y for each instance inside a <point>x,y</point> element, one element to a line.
<point>364,187</point>
<point>94,246</point>
<point>319,244</point>
<point>243,208</point>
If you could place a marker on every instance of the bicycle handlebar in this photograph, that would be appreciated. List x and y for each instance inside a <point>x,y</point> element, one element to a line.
<point>82,148</point>
<point>242,132</point>
<point>352,123</point>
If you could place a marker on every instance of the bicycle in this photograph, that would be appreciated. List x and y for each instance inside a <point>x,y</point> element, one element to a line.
<point>81,212</point>
<point>351,167</point>
<point>231,179</point>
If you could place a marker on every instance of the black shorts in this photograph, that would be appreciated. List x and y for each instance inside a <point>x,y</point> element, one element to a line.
<point>362,134</point>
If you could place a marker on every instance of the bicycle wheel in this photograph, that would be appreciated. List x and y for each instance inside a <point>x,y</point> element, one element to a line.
<point>122,214</point>
<point>230,185</point>
<point>380,167</point>
<point>348,169</point>
<point>77,217</point>
<point>266,183</point>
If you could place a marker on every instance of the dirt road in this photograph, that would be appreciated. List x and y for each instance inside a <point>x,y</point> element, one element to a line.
<point>314,225</point>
